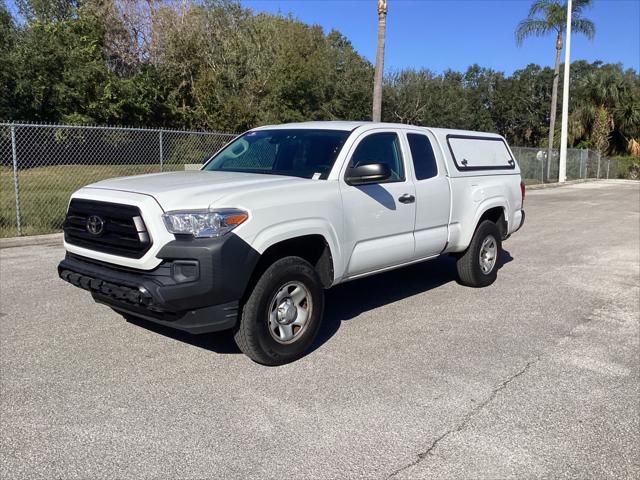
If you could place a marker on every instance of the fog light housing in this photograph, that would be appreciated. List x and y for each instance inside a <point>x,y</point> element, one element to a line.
<point>184,271</point>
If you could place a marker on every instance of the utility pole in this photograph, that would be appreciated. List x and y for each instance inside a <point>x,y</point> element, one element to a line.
<point>377,77</point>
<point>562,169</point>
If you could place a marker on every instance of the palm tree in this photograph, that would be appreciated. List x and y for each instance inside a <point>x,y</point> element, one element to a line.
<point>550,16</point>
<point>609,114</point>
<point>377,77</point>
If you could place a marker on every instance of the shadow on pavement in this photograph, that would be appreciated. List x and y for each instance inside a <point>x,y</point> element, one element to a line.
<point>219,342</point>
<point>343,302</point>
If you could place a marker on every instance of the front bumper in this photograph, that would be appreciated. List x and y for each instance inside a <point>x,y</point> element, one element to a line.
<point>197,288</point>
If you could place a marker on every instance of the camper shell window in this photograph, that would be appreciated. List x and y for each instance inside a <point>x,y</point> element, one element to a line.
<point>480,153</point>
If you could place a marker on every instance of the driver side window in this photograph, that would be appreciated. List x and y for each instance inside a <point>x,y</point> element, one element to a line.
<point>381,148</point>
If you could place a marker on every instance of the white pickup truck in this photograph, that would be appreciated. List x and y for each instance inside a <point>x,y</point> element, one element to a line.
<point>283,212</point>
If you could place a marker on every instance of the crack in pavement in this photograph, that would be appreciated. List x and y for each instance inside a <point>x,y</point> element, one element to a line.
<point>465,420</point>
<point>472,413</point>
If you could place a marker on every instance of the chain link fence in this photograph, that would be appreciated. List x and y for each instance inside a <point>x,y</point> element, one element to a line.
<point>582,164</point>
<point>41,165</point>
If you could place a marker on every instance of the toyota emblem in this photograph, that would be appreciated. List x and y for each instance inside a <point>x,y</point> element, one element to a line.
<point>95,225</point>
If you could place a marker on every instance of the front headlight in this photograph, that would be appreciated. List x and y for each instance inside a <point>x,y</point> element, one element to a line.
<point>204,223</point>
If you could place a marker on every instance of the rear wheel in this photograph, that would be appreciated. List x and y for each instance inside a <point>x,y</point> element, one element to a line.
<point>282,315</point>
<point>478,266</point>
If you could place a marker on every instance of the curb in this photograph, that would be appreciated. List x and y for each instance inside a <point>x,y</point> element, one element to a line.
<point>50,239</point>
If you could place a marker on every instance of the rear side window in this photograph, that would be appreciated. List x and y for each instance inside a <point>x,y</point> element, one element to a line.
<point>480,153</point>
<point>424,160</point>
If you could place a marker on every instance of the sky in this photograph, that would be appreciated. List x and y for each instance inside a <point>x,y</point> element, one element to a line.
<point>453,34</point>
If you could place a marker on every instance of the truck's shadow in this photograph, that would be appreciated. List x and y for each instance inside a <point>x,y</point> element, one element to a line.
<point>343,302</point>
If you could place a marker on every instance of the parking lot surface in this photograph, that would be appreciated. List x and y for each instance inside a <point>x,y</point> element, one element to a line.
<point>414,376</point>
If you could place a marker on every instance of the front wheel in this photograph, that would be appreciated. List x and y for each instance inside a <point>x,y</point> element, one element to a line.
<point>478,266</point>
<point>282,315</point>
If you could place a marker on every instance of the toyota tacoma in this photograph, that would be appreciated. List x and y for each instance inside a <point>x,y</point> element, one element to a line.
<point>251,240</point>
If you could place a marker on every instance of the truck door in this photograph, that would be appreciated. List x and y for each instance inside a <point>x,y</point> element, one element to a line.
<point>433,200</point>
<point>379,217</point>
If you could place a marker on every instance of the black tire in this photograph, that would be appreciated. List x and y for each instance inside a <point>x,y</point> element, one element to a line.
<point>469,267</point>
<point>253,335</point>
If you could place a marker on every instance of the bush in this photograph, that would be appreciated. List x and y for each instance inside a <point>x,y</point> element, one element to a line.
<point>627,167</point>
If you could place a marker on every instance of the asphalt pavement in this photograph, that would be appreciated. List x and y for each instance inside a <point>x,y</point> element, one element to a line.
<point>414,376</point>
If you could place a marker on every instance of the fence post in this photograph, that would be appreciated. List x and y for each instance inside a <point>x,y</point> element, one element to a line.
<point>161,153</point>
<point>16,184</point>
<point>598,173</point>
<point>608,165</point>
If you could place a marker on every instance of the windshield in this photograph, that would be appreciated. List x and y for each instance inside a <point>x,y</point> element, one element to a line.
<point>296,153</point>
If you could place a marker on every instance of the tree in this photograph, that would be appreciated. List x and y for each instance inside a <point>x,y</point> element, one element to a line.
<point>60,73</point>
<point>606,109</point>
<point>378,75</point>
<point>480,85</point>
<point>521,105</point>
<point>349,93</point>
<point>408,95</point>
<point>450,100</point>
<point>550,16</point>
<point>8,33</point>
<point>48,10</point>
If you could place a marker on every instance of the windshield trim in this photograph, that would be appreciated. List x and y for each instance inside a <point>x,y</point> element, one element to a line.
<point>257,172</point>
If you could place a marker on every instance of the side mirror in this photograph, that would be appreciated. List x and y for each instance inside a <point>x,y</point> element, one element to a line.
<point>370,173</point>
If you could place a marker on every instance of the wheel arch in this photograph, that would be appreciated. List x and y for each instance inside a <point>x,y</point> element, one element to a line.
<point>314,248</point>
<point>498,216</point>
<point>494,210</point>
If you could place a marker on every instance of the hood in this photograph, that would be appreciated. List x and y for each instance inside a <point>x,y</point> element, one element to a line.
<point>194,189</point>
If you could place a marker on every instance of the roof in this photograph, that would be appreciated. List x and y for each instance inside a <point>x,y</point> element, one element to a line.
<point>328,125</point>
<point>352,125</point>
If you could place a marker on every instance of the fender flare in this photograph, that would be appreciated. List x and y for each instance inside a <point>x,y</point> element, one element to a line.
<point>287,230</point>
<point>483,207</point>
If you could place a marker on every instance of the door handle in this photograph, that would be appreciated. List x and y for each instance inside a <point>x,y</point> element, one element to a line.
<point>406,198</point>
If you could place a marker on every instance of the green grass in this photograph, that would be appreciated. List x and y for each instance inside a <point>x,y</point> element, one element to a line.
<point>45,192</point>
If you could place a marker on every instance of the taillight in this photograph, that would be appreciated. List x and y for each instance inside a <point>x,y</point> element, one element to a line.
<point>522,191</point>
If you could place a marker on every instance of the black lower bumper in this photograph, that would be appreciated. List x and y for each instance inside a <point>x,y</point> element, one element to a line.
<point>197,288</point>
